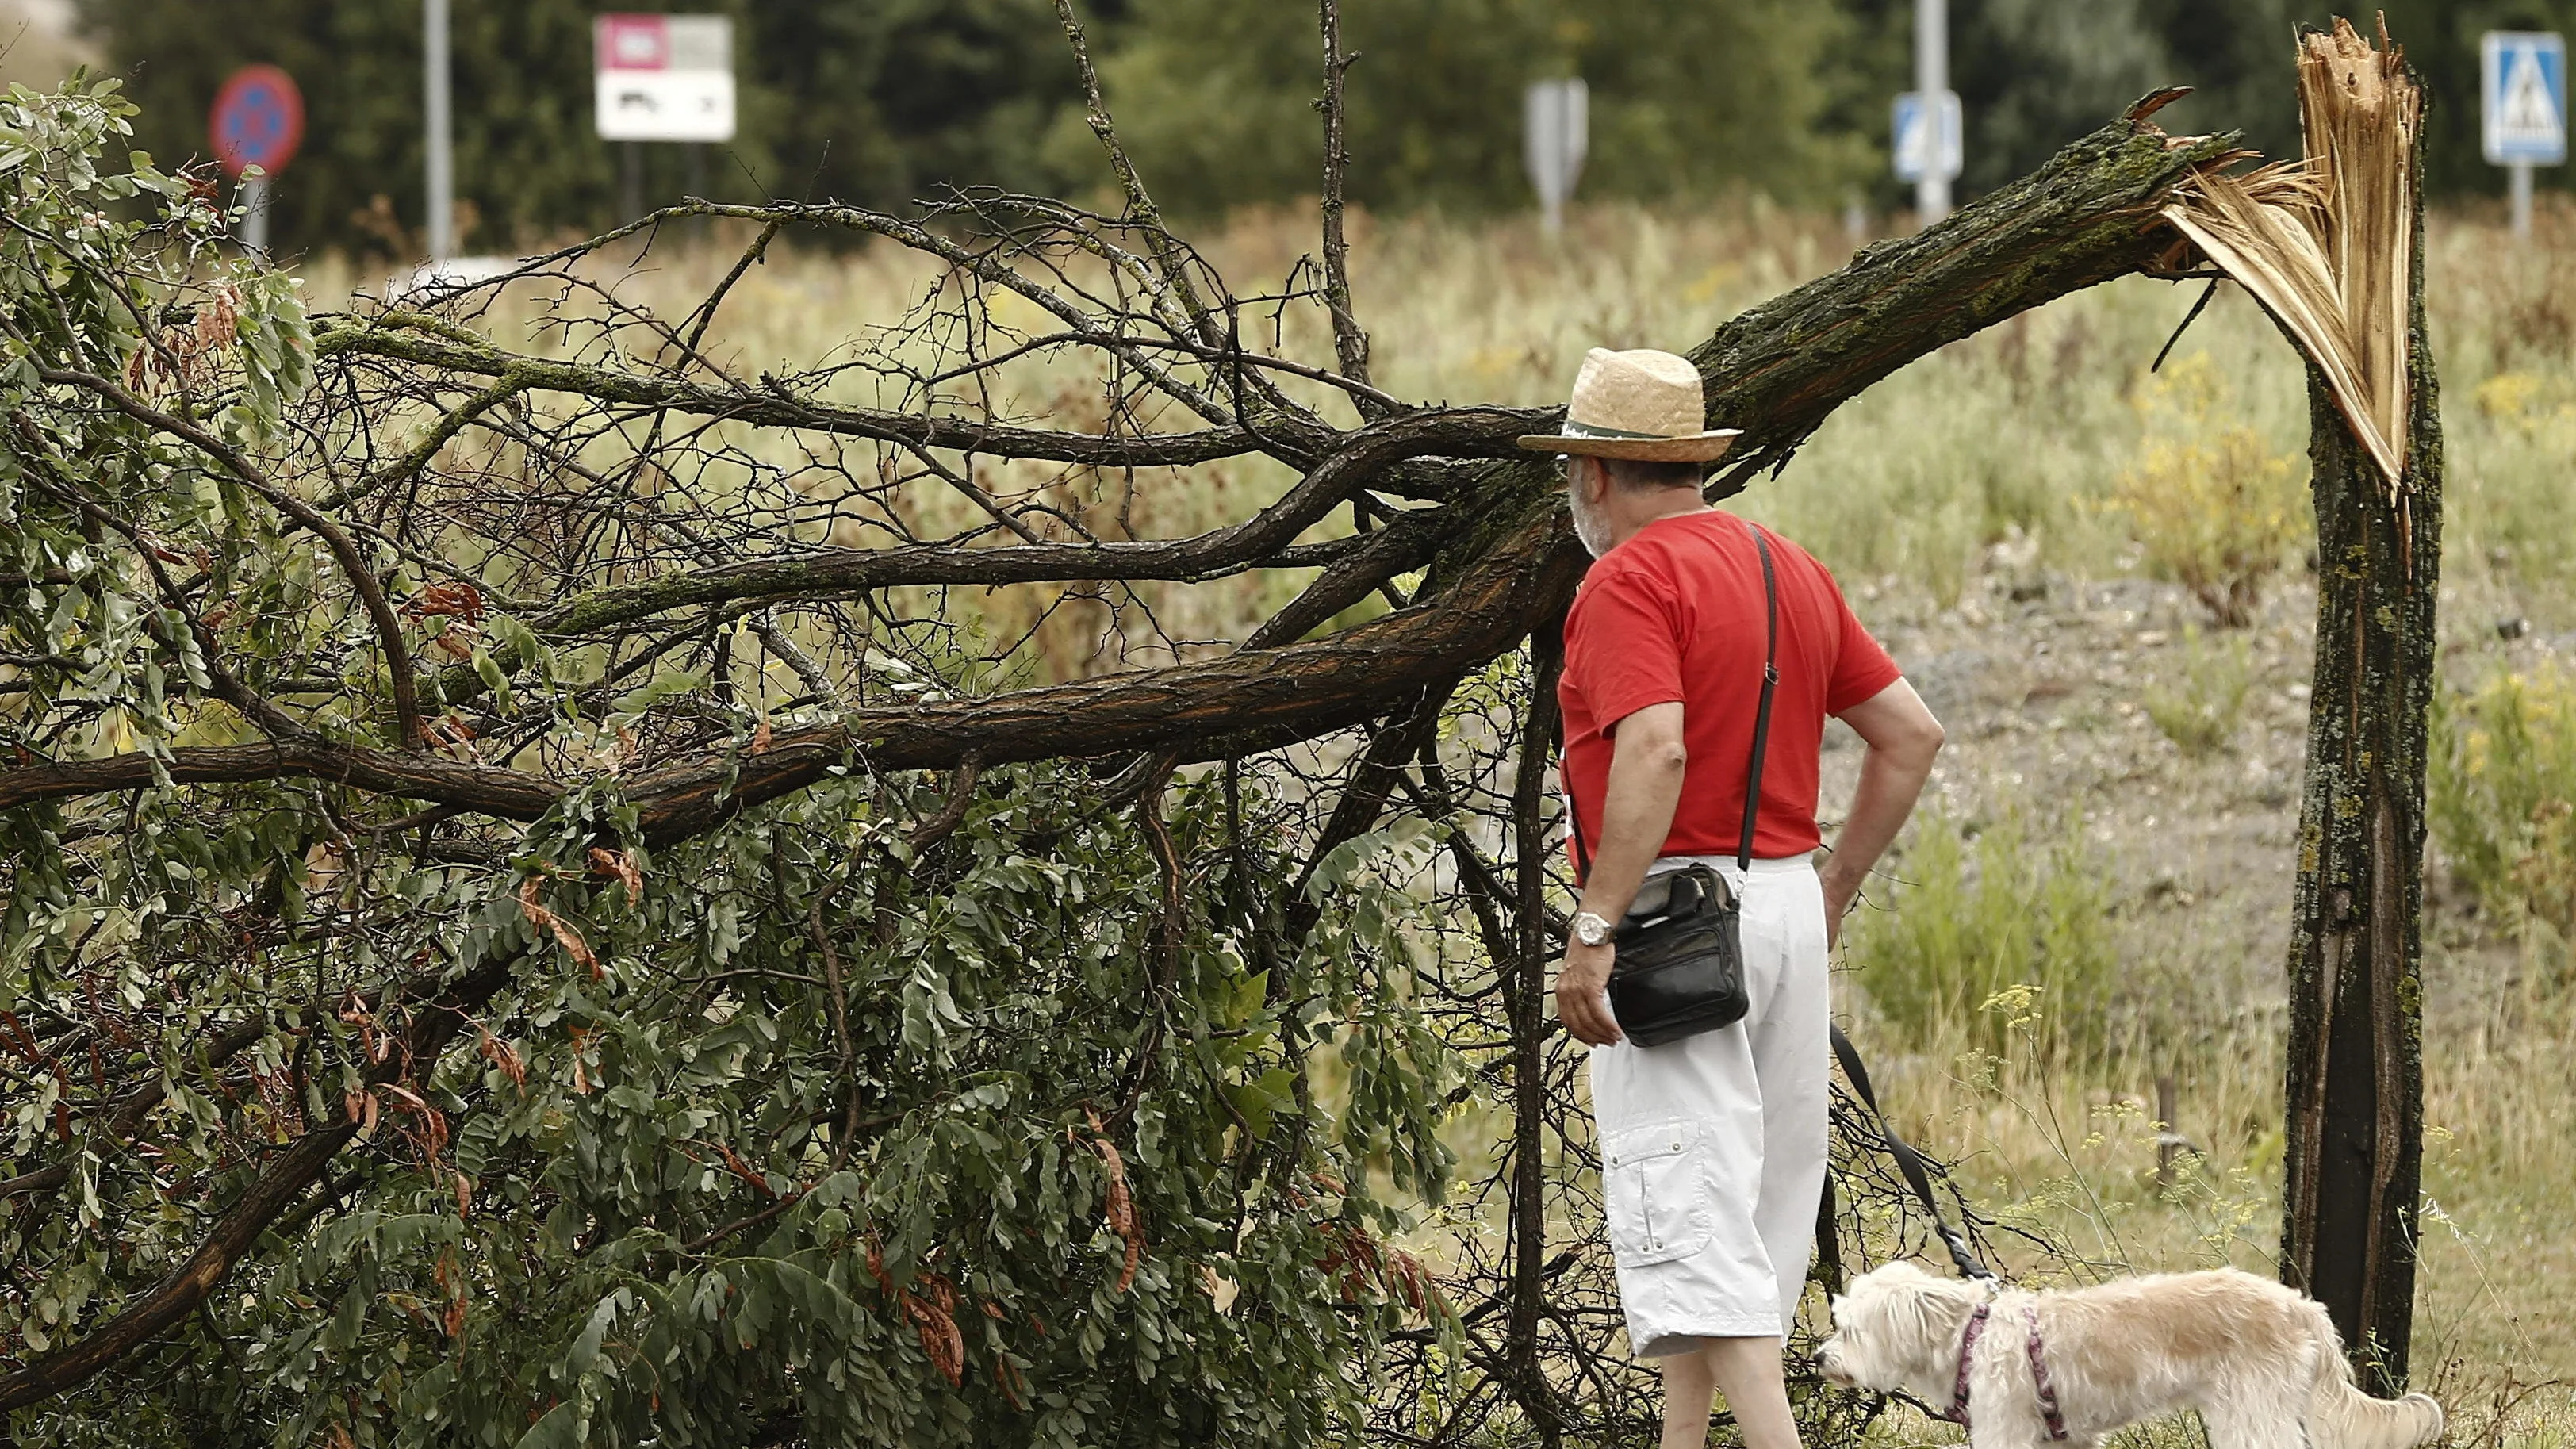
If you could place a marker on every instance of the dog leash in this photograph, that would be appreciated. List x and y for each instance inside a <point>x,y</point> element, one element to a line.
<point>1910,1163</point>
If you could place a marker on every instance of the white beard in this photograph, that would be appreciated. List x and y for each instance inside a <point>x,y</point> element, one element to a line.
<point>1591,525</point>
<point>2260,1362</point>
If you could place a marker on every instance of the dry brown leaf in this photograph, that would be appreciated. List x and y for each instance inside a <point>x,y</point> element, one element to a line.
<point>935,1321</point>
<point>1121,1206</point>
<point>430,1135</point>
<point>547,920</point>
<point>621,865</point>
<point>505,1056</point>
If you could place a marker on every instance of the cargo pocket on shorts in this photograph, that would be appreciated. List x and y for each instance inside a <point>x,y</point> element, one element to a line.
<point>1655,1190</point>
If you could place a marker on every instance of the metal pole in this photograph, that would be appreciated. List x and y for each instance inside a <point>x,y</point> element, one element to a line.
<point>2521,173</point>
<point>1931,78</point>
<point>254,226</point>
<point>442,159</point>
<point>630,183</point>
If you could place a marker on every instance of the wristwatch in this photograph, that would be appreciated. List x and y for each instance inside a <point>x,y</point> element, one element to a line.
<point>1592,930</point>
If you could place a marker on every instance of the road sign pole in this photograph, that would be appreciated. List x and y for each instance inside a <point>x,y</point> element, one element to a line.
<point>630,182</point>
<point>255,125</point>
<point>254,205</point>
<point>2522,85</point>
<point>1931,78</point>
<point>442,158</point>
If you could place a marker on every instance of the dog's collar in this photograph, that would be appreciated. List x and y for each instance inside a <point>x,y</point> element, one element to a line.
<point>2048,1409</point>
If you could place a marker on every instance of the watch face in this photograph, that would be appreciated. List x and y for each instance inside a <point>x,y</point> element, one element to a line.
<point>1591,930</point>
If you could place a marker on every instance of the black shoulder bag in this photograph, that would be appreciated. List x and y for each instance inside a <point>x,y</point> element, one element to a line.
<point>1680,964</point>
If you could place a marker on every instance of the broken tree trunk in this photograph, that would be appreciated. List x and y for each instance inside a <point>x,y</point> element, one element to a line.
<point>2355,1067</point>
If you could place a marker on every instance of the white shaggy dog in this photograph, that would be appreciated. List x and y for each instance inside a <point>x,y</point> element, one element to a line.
<point>2259,1361</point>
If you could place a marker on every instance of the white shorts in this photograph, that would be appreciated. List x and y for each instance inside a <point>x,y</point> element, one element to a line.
<point>1713,1147</point>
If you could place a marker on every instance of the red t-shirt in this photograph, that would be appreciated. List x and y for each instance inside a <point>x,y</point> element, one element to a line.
<point>1675,613</point>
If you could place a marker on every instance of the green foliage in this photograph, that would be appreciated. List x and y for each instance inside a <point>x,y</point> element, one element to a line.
<point>885,102</point>
<point>2204,711</point>
<point>1087,1198</point>
<point>1989,927</point>
<point>114,270</point>
<point>2501,793</point>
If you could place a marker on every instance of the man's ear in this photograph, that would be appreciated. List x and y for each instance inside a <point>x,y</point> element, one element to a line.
<point>1591,478</point>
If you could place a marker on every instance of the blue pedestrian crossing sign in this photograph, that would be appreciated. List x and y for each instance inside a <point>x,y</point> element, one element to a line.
<point>1927,138</point>
<point>2523,77</point>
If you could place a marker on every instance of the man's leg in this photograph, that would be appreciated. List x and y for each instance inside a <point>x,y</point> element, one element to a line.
<point>1687,1387</point>
<point>1792,1061</point>
<point>1747,1371</point>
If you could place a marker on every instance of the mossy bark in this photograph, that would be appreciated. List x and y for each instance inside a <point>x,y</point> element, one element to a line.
<point>2355,1055</point>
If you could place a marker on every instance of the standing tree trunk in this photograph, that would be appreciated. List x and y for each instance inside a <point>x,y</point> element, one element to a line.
<point>2355,1066</point>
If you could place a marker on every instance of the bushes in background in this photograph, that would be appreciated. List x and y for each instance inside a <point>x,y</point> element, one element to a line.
<point>2215,508</point>
<point>2502,794</point>
<point>1975,915</point>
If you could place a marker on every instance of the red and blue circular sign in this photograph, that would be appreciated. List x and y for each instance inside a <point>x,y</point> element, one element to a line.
<point>258,120</point>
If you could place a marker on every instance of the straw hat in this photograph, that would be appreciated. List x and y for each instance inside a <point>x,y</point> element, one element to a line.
<point>1644,405</point>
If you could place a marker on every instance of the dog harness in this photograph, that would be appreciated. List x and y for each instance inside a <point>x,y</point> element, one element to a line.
<point>2048,1410</point>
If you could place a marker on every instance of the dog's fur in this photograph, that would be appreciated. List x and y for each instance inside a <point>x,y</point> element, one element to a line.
<point>2259,1361</point>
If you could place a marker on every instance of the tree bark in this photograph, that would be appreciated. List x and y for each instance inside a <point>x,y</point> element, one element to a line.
<point>2355,1055</point>
<point>1526,997</point>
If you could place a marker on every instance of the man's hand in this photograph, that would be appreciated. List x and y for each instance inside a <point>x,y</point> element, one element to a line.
<point>1582,993</point>
<point>1839,895</point>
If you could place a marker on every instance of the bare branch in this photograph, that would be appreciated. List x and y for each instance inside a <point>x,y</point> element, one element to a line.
<point>1350,344</point>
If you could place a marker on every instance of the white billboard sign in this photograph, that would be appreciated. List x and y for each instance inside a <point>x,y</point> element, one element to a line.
<point>664,77</point>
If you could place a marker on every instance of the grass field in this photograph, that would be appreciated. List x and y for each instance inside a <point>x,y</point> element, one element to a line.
<point>2005,514</point>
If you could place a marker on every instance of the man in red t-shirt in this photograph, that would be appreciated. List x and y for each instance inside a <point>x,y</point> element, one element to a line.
<point>1713,1146</point>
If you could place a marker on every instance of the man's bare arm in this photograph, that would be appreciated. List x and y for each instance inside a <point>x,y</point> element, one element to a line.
<point>1647,762</point>
<point>1902,739</point>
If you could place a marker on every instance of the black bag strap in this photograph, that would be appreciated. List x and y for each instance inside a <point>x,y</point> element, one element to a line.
<point>1762,714</point>
<point>1909,1162</point>
<point>1761,724</point>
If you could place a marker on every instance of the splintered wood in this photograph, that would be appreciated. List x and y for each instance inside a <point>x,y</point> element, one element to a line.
<point>2325,243</point>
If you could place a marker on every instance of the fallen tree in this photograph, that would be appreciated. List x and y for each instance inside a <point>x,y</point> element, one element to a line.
<point>540,904</point>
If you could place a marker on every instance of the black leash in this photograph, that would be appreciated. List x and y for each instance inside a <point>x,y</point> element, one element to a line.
<point>1909,1162</point>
